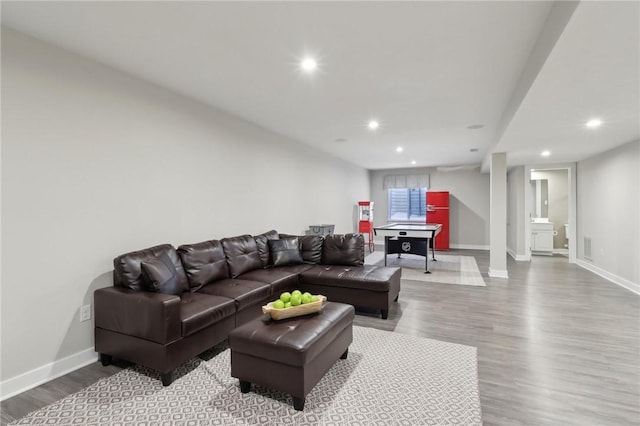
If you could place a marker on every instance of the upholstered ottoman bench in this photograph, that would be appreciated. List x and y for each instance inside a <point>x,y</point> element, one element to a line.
<point>293,354</point>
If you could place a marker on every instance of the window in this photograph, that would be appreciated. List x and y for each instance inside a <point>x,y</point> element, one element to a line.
<point>408,204</point>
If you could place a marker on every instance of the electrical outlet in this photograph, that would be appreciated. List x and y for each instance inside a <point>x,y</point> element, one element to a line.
<point>85,313</point>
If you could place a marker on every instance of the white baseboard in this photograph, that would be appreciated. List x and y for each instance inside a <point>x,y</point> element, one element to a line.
<point>495,273</point>
<point>48,372</point>
<point>519,257</point>
<point>468,247</point>
<point>622,282</point>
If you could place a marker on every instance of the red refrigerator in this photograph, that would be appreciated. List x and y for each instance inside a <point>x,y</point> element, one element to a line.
<point>438,212</point>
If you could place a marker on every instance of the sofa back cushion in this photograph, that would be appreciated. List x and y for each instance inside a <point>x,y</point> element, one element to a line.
<point>262,241</point>
<point>128,269</point>
<point>242,254</point>
<point>310,247</point>
<point>160,276</point>
<point>204,263</point>
<point>345,249</point>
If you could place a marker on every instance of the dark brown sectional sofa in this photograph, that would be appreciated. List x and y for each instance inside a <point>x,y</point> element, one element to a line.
<point>168,305</point>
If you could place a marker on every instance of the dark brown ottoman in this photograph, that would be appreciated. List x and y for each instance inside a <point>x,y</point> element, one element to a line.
<point>293,354</point>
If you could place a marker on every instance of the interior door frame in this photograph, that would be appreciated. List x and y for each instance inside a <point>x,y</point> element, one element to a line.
<point>572,191</point>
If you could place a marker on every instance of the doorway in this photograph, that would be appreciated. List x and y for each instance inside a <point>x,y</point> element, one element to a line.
<point>550,206</point>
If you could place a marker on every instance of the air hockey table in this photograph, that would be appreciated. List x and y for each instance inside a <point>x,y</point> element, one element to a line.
<point>412,238</point>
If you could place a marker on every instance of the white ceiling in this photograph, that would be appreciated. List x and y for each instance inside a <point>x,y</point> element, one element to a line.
<point>531,72</point>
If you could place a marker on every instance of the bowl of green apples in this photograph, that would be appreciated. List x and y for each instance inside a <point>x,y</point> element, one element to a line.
<point>294,304</point>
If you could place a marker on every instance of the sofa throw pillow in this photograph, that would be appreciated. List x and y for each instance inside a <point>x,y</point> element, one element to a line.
<point>127,269</point>
<point>285,252</point>
<point>310,247</point>
<point>160,276</point>
<point>262,241</point>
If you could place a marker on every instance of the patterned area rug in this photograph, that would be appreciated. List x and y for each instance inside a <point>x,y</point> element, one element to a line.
<point>449,269</point>
<point>387,379</point>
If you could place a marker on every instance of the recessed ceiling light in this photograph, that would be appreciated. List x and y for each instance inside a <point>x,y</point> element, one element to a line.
<point>475,126</point>
<point>399,149</point>
<point>545,153</point>
<point>413,162</point>
<point>473,150</point>
<point>308,64</point>
<point>594,123</point>
<point>373,124</point>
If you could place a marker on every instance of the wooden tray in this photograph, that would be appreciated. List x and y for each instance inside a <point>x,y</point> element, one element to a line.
<point>294,311</point>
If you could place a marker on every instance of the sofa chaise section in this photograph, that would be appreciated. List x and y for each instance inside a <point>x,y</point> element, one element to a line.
<point>343,277</point>
<point>371,287</point>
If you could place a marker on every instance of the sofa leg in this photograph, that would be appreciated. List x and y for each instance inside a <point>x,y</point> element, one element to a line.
<point>344,355</point>
<point>396,299</point>
<point>245,386</point>
<point>105,359</point>
<point>385,313</point>
<point>298,403</point>
<point>167,378</point>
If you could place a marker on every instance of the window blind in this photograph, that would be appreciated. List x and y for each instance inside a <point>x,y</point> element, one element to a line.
<point>406,181</point>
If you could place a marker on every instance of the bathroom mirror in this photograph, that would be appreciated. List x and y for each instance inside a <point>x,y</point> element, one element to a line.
<point>540,194</point>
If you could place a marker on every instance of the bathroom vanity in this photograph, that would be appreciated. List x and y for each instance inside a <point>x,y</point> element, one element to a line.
<point>541,237</point>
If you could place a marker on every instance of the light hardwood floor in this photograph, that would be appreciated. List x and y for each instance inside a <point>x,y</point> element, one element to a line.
<point>557,345</point>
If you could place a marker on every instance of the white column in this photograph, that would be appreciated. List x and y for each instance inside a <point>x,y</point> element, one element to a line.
<point>498,217</point>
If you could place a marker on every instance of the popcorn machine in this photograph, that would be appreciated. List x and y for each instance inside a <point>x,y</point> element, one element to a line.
<point>365,221</point>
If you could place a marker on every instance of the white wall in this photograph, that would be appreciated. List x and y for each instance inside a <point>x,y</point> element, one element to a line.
<point>469,202</point>
<point>609,211</point>
<point>97,163</point>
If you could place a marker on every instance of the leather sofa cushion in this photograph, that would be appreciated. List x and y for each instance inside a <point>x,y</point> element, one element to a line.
<point>199,311</point>
<point>281,279</point>
<point>285,252</point>
<point>262,242</point>
<point>366,277</point>
<point>347,249</point>
<point>293,341</point>
<point>204,263</point>
<point>310,246</point>
<point>293,269</point>
<point>160,276</point>
<point>242,254</point>
<point>245,293</point>
<point>128,270</point>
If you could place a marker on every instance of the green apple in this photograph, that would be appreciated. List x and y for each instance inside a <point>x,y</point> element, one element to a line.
<point>295,300</point>
<point>285,297</point>
<point>287,305</point>
<point>278,304</point>
<point>296,293</point>
<point>314,299</point>
<point>306,298</point>
<point>307,293</point>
